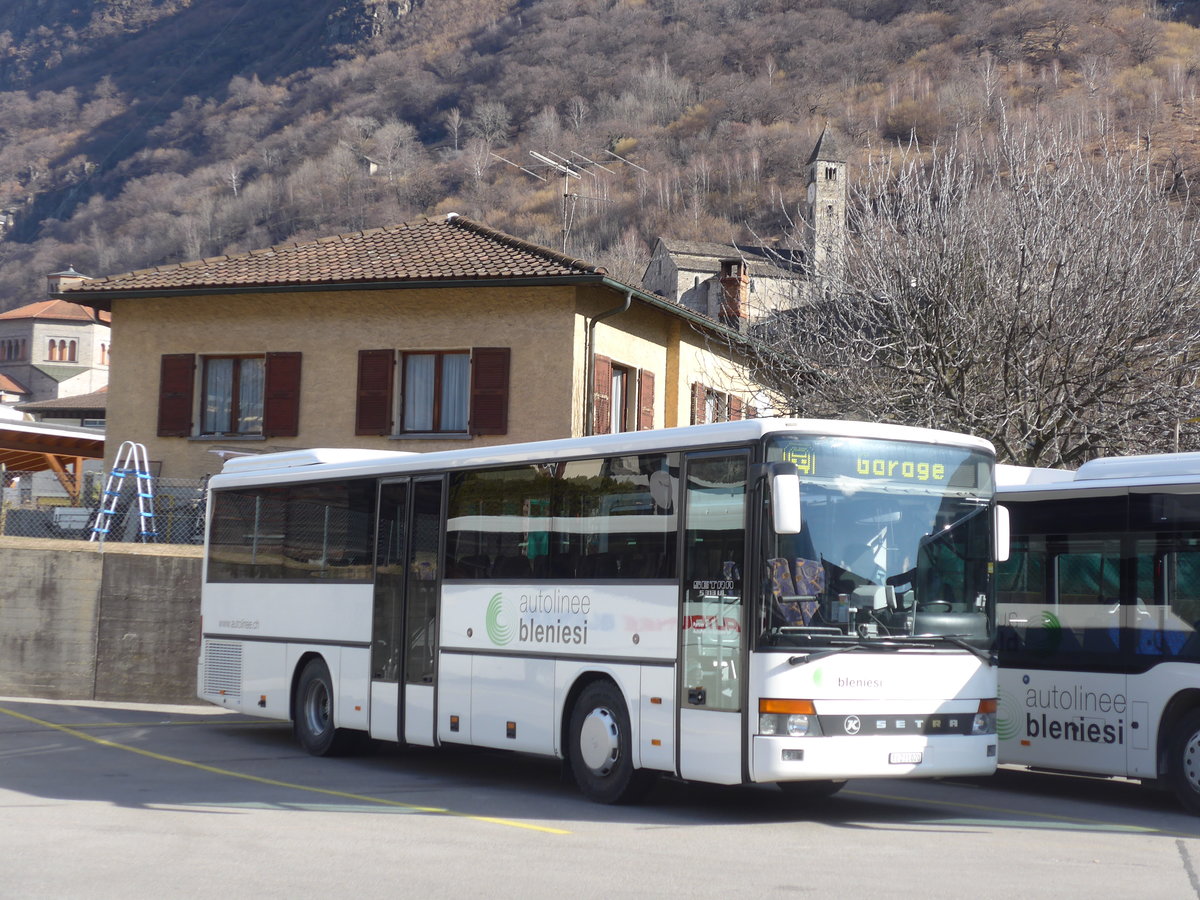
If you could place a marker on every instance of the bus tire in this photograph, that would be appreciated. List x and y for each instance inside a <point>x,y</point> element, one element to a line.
<point>600,748</point>
<point>313,722</point>
<point>810,790</point>
<point>1183,761</point>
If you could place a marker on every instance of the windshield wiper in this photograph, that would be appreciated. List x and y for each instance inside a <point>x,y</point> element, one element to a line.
<point>958,640</point>
<point>843,648</point>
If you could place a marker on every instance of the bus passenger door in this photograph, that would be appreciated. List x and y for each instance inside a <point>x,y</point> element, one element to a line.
<point>713,620</point>
<point>403,639</point>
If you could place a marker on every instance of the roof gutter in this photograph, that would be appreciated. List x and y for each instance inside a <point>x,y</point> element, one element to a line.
<point>589,386</point>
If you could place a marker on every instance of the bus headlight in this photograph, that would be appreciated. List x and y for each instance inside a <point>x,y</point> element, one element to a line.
<point>795,725</point>
<point>793,718</point>
<point>985,719</point>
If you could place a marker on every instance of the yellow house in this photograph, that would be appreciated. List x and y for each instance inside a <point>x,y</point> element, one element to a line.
<point>421,336</point>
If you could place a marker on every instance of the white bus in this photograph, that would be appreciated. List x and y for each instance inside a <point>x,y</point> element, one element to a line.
<point>654,602</point>
<point>1098,608</point>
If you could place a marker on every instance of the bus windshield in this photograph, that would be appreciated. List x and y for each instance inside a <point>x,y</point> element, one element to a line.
<point>896,543</point>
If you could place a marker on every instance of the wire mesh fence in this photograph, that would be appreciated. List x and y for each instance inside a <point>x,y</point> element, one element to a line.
<point>38,504</point>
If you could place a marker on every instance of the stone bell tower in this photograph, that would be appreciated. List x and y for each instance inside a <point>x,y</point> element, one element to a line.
<point>826,212</point>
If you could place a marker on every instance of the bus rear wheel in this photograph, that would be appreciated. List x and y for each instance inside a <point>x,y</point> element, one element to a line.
<point>1183,761</point>
<point>313,723</point>
<point>599,747</point>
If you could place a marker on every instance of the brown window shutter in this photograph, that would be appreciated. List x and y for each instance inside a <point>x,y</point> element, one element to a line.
<point>281,395</point>
<point>602,395</point>
<point>176,384</point>
<point>489,389</point>
<point>645,401</point>
<point>376,380</point>
<point>735,408</point>
<point>698,395</point>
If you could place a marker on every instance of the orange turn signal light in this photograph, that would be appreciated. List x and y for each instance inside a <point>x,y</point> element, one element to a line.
<point>787,707</point>
<point>987,706</point>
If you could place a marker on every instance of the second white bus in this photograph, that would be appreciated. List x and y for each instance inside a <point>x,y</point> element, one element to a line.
<point>1099,606</point>
<point>787,601</point>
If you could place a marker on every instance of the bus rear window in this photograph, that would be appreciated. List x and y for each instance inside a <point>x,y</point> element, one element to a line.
<point>297,532</point>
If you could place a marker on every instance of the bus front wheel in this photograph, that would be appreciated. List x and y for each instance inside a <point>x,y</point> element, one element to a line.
<point>599,747</point>
<point>1183,762</point>
<point>313,723</point>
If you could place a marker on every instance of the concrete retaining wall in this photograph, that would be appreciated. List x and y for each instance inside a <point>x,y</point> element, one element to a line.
<point>81,623</point>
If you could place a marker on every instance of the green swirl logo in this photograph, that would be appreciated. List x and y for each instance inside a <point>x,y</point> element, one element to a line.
<point>498,630</point>
<point>1008,717</point>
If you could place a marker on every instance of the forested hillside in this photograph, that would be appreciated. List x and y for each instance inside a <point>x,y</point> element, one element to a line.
<point>141,132</point>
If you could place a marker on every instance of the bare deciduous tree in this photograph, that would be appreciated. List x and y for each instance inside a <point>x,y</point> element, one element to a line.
<point>1019,288</point>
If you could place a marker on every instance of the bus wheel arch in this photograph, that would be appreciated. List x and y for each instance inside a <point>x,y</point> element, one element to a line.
<point>598,743</point>
<point>313,708</point>
<point>1179,750</point>
<point>1173,712</point>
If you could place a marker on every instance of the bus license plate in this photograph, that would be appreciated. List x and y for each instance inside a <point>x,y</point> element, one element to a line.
<point>906,758</point>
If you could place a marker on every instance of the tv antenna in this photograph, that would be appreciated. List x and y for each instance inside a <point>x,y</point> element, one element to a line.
<point>572,168</point>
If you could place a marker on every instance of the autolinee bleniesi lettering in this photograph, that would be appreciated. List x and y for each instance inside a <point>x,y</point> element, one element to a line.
<point>1075,701</point>
<point>559,603</point>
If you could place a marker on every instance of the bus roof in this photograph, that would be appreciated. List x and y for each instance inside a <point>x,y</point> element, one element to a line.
<point>304,465</point>
<point>1107,472</point>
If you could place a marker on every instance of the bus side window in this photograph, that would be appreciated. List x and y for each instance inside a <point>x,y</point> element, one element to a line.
<point>1165,616</point>
<point>1087,582</point>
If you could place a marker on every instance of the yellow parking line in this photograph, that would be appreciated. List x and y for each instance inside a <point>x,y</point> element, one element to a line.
<point>360,798</point>
<point>172,724</point>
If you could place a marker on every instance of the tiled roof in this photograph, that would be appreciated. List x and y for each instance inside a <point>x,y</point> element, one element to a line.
<point>449,249</point>
<point>62,310</point>
<point>10,385</point>
<point>703,256</point>
<point>96,400</point>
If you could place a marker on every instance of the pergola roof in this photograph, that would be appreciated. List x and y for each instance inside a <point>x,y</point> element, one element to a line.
<point>36,447</point>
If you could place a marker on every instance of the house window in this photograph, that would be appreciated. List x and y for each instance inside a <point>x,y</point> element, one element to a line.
<point>623,398</point>
<point>436,392</point>
<point>711,405</point>
<point>619,400</point>
<point>244,394</point>
<point>439,392</point>
<point>232,399</point>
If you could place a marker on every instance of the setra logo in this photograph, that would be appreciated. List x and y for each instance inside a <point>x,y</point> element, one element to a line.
<point>499,631</point>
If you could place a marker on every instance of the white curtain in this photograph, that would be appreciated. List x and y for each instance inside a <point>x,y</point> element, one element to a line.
<point>456,393</point>
<point>418,392</point>
<point>251,390</point>
<point>218,396</point>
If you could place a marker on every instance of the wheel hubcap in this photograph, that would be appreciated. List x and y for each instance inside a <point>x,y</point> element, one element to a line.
<point>1191,761</point>
<point>600,741</point>
<point>317,708</point>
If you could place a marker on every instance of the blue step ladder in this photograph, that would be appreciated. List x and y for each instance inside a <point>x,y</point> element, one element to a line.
<point>131,460</point>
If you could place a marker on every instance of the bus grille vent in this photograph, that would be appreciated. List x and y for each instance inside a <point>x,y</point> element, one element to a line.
<point>223,668</point>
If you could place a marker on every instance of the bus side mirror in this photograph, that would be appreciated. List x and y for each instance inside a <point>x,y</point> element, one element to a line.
<point>785,497</point>
<point>1003,534</point>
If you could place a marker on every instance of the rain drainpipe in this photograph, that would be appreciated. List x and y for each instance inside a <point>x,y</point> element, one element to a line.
<point>589,386</point>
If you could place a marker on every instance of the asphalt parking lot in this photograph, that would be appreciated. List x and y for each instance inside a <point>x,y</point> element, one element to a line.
<point>99,800</point>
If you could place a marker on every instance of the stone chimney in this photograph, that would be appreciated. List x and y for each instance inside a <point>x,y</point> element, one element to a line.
<point>735,293</point>
<point>65,280</point>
